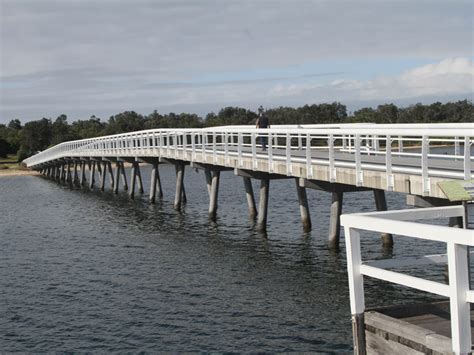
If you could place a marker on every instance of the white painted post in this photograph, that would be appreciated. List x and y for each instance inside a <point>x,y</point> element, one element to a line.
<point>467,158</point>
<point>289,168</point>
<point>359,174</point>
<point>226,149</point>
<point>459,307</point>
<point>388,163</point>
<point>356,287</point>
<point>254,151</point>
<point>332,167</point>
<point>309,168</point>
<point>270,153</point>
<point>457,150</point>
<point>425,149</point>
<point>239,149</point>
<point>214,152</point>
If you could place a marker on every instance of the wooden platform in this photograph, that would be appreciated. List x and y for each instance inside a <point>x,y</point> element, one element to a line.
<point>412,329</point>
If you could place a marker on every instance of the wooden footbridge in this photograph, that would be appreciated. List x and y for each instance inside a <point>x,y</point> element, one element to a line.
<point>334,158</point>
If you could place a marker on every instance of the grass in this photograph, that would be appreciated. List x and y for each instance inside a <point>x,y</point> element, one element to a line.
<point>10,162</point>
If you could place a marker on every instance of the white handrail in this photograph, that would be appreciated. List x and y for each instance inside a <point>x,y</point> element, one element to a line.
<point>287,142</point>
<point>401,223</point>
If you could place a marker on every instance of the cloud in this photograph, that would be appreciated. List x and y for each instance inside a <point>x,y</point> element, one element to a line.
<point>448,77</point>
<point>100,57</point>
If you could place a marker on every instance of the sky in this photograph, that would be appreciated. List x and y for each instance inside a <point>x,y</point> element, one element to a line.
<point>102,57</point>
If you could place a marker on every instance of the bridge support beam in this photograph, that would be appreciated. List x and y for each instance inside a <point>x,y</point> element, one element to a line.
<point>178,198</point>
<point>335,220</point>
<point>75,178</point>
<point>92,174</point>
<point>381,205</point>
<point>117,176</point>
<point>133,178</point>
<point>155,182</point>
<point>304,208</point>
<point>111,174</point>
<point>252,208</point>
<point>263,204</point>
<point>103,174</point>
<point>207,174</point>
<point>99,171</point>
<point>214,194</point>
<point>82,180</point>
<point>124,176</point>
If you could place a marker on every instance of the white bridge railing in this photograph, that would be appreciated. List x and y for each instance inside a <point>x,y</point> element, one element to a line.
<point>342,145</point>
<point>402,223</point>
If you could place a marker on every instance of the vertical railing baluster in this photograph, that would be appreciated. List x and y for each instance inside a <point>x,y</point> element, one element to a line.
<point>467,158</point>
<point>388,163</point>
<point>309,167</point>
<point>289,168</point>
<point>425,180</point>
<point>358,163</point>
<point>332,167</point>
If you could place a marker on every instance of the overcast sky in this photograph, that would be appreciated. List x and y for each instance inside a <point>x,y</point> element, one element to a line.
<point>102,57</point>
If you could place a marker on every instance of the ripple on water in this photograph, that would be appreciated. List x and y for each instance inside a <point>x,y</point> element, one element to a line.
<point>88,271</point>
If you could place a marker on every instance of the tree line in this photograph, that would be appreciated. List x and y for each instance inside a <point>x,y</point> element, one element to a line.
<point>25,140</point>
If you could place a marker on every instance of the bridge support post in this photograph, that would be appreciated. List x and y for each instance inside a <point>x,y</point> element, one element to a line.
<point>117,177</point>
<point>68,174</point>
<point>99,171</point>
<point>263,204</point>
<point>304,208</point>
<point>75,178</point>
<point>111,175</point>
<point>207,174</point>
<point>124,176</point>
<point>178,199</point>
<point>381,205</point>
<point>133,178</point>
<point>213,197</point>
<point>335,220</point>
<point>140,181</point>
<point>250,197</point>
<point>61,172</point>
<point>155,180</point>
<point>92,174</point>
<point>82,181</point>
<point>103,174</point>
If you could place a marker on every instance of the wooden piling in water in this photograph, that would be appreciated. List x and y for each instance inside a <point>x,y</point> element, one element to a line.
<point>304,208</point>
<point>111,174</point>
<point>82,181</point>
<point>335,220</point>
<point>179,186</point>
<point>263,204</point>
<point>252,208</point>
<point>124,176</point>
<point>213,196</point>
<point>381,205</point>
<point>153,182</point>
<point>139,180</point>
<point>133,178</point>
<point>207,174</point>
<point>92,174</point>
<point>117,177</point>
<point>103,175</point>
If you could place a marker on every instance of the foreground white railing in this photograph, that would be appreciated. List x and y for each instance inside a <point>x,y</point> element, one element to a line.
<point>288,142</point>
<point>401,223</point>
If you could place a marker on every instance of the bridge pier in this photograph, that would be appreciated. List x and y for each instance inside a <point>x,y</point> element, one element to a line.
<point>99,171</point>
<point>155,182</point>
<point>75,178</point>
<point>111,174</point>
<point>103,174</point>
<point>82,180</point>
<point>92,174</point>
<point>381,205</point>
<point>304,207</point>
<point>178,199</point>
<point>252,208</point>
<point>335,220</point>
<point>124,176</point>
<point>263,204</point>
<point>214,194</point>
<point>133,178</point>
<point>117,177</point>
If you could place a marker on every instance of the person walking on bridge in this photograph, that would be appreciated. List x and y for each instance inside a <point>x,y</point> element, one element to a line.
<point>262,122</point>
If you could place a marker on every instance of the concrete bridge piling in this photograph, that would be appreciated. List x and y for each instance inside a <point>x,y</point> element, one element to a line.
<point>332,158</point>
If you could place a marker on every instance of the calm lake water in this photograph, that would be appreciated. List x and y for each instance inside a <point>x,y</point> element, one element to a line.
<point>92,271</point>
